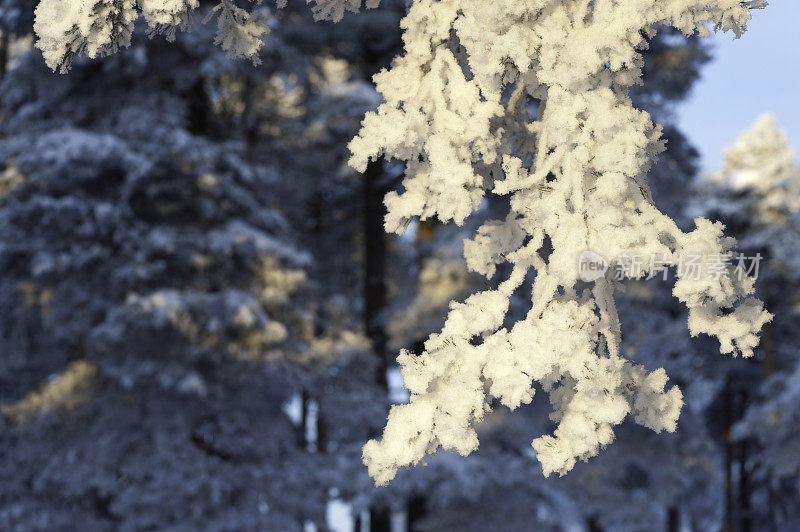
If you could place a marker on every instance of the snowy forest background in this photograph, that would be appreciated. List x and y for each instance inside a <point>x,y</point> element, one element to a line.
<point>200,309</point>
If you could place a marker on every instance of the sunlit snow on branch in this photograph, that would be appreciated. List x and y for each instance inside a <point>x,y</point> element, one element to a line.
<point>456,111</point>
<point>95,28</point>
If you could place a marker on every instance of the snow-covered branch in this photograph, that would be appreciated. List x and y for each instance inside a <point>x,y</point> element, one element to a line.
<point>95,28</point>
<point>530,99</point>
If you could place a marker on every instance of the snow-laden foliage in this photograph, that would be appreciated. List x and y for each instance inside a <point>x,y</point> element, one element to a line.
<point>775,425</point>
<point>95,28</point>
<point>66,28</point>
<point>530,100</point>
<point>114,184</point>
<point>239,32</point>
<point>334,9</point>
<point>92,27</point>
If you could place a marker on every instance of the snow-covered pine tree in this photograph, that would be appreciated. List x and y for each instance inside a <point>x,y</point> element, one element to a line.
<point>153,288</point>
<point>756,193</point>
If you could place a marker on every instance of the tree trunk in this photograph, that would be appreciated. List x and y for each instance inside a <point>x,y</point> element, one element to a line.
<point>767,345</point>
<point>728,421</point>
<point>594,526</point>
<point>416,511</point>
<point>375,264</point>
<point>198,117</point>
<point>3,54</point>
<point>375,295</point>
<point>673,519</point>
<point>380,519</point>
<point>302,441</point>
<point>322,432</point>
<point>745,521</point>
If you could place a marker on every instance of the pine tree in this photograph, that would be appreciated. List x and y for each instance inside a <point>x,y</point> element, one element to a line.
<point>756,193</point>
<point>162,289</point>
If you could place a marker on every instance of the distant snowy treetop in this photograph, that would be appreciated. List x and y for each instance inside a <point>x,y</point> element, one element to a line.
<point>759,159</point>
<point>762,162</point>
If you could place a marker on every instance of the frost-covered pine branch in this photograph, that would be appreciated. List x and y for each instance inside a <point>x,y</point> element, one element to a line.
<point>239,32</point>
<point>334,9</point>
<point>66,28</point>
<point>457,110</point>
<point>95,28</point>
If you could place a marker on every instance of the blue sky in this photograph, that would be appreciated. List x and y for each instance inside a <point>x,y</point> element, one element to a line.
<point>756,74</point>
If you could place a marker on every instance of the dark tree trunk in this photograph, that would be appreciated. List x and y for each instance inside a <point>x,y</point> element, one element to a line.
<point>767,345</point>
<point>594,526</point>
<point>673,519</point>
<point>416,511</point>
<point>744,478</point>
<point>199,121</point>
<point>728,421</point>
<point>3,54</point>
<point>738,515</point>
<point>375,295</point>
<point>375,264</point>
<point>322,432</point>
<point>302,441</point>
<point>380,519</point>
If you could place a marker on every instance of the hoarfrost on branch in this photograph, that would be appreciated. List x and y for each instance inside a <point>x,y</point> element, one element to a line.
<point>457,111</point>
<point>95,28</point>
